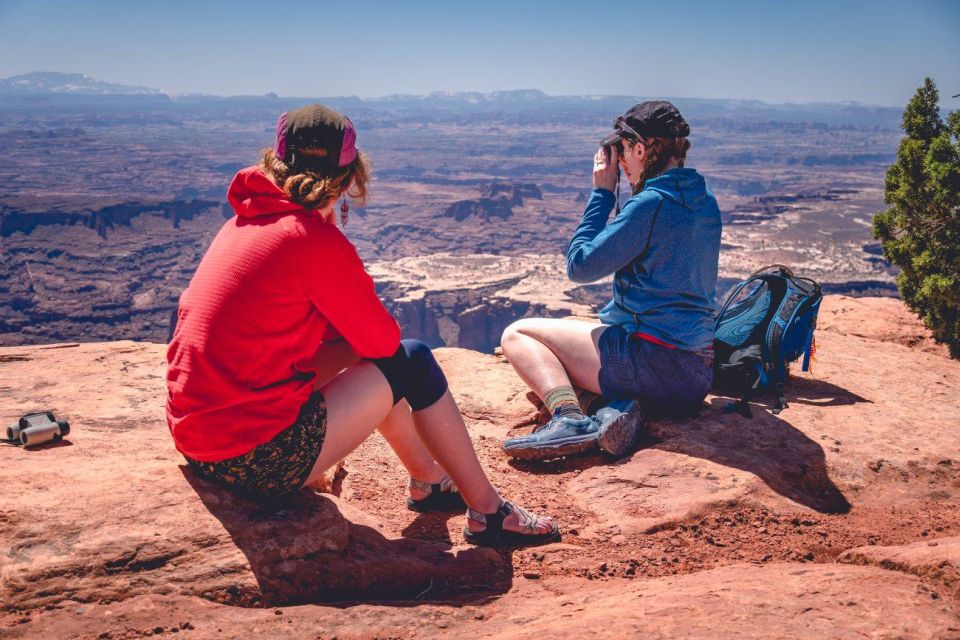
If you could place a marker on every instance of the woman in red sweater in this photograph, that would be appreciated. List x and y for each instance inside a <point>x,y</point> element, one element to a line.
<point>284,359</point>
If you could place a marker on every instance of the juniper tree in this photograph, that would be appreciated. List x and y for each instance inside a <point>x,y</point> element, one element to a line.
<point>920,230</point>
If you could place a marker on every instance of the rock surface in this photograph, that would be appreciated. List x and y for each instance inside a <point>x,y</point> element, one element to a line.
<point>826,602</point>
<point>937,559</point>
<point>716,523</point>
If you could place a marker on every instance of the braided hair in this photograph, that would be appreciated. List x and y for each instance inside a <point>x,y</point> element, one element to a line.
<point>314,190</point>
<point>660,151</point>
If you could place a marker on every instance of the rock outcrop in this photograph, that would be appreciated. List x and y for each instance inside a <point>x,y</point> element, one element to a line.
<point>937,560</point>
<point>496,200</point>
<point>836,519</point>
<point>482,208</point>
<point>514,192</point>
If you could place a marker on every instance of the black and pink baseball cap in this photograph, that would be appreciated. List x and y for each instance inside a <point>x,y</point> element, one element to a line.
<point>657,118</point>
<point>316,127</point>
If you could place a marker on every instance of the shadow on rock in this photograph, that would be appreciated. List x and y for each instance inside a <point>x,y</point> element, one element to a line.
<point>820,393</point>
<point>767,446</point>
<point>306,552</point>
<point>431,526</point>
<point>565,464</point>
<point>36,448</point>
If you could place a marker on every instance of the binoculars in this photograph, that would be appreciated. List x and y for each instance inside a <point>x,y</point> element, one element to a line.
<point>37,428</point>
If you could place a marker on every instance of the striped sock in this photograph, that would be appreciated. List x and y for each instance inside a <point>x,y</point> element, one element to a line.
<point>563,401</point>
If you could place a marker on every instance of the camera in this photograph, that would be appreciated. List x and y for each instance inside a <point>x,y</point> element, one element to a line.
<point>609,155</point>
<point>619,146</point>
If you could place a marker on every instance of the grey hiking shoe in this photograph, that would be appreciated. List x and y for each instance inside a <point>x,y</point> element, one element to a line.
<point>621,423</point>
<point>561,436</point>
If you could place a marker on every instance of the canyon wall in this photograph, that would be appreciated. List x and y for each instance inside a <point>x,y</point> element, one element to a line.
<point>117,272</point>
<point>99,274</point>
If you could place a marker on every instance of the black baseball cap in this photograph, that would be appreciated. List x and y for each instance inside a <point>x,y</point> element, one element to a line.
<point>316,127</point>
<point>653,118</point>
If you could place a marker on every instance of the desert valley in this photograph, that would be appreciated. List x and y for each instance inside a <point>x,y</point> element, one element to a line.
<point>115,198</point>
<point>834,519</point>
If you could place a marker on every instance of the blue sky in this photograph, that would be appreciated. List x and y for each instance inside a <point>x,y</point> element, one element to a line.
<point>870,51</point>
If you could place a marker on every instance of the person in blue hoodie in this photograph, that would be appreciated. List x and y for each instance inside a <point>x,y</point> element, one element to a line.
<point>652,349</point>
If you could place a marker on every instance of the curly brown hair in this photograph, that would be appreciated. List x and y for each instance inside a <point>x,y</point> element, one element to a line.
<point>313,190</point>
<point>660,151</point>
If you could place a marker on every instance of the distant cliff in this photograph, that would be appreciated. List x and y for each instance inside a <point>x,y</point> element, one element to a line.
<point>102,219</point>
<point>104,273</point>
<point>497,200</point>
<point>514,192</point>
<point>483,208</point>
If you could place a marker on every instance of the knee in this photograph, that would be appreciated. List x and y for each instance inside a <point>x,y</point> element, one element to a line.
<point>413,374</point>
<point>513,332</point>
<point>419,358</point>
<point>418,355</point>
<point>426,383</point>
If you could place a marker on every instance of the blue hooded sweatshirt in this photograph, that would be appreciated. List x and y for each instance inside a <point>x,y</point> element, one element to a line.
<point>663,248</point>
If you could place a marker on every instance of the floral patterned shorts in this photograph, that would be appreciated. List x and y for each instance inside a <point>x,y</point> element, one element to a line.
<point>276,469</point>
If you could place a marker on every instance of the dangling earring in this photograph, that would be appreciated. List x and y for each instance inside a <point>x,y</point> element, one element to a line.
<point>344,213</point>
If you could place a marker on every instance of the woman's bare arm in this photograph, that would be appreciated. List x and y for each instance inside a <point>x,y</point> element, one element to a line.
<point>330,359</point>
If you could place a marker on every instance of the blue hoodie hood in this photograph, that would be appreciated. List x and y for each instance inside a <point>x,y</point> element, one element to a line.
<point>685,187</point>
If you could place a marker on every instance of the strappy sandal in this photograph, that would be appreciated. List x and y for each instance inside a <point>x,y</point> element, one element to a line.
<point>496,535</point>
<point>443,496</point>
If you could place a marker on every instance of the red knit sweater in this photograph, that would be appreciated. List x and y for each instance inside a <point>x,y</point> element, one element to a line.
<point>275,283</point>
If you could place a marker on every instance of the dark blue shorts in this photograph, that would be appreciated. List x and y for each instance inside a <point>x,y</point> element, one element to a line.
<point>664,380</point>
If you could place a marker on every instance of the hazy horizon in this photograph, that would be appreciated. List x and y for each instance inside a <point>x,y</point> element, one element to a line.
<point>466,92</point>
<point>874,53</point>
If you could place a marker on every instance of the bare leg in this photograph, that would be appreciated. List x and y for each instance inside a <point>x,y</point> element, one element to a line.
<point>359,399</point>
<point>549,353</point>
<point>443,432</point>
<point>399,432</point>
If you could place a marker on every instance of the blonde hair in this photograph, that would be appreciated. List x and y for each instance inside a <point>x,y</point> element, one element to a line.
<point>313,190</point>
<point>660,151</point>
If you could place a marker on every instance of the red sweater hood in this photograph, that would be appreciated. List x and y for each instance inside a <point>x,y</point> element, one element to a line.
<point>252,194</point>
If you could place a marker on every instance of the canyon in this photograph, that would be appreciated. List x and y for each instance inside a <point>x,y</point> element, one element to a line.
<point>99,238</point>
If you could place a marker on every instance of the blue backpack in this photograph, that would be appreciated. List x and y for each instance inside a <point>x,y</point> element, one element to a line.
<point>767,322</point>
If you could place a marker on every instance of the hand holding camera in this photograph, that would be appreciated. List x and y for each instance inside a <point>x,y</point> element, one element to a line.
<point>606,168</point>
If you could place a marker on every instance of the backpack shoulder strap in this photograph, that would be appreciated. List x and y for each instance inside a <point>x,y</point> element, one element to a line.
<point>781,267</point>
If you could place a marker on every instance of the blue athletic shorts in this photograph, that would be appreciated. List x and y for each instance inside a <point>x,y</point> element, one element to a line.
<point>664,380</point>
